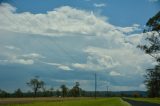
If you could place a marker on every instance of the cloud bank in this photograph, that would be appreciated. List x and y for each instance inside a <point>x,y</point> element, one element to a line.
<point>106,48</point>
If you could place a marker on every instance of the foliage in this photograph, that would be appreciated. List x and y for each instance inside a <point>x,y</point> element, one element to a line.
<point>153,81</point>
<point>76,90</point>
<point>153,49</point>
<point>3,94</point>
<point>36,85</point>
<point>58,93</point>
<point>153,23</point>
<point>64,90</point>
<point>136,94</point>
<point>18,93</point>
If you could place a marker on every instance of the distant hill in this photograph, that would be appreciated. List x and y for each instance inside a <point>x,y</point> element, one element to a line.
<point>117,93</point>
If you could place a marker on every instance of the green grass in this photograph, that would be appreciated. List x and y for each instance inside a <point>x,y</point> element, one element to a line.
<point>151,100</point>
<point>81,102</point>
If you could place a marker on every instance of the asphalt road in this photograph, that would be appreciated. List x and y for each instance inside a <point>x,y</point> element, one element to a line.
<point>140,103</point>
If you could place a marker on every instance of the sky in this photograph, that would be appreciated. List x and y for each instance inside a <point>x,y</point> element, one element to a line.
<point>65,41</point>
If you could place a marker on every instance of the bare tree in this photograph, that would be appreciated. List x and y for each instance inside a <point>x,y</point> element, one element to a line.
<point>35,85</point>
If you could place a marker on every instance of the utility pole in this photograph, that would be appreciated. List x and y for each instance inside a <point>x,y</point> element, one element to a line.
<point>95,85</point>
<point>107,90</point>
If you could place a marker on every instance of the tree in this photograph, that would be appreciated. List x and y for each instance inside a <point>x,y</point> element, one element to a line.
<point>4,93</point>
<point>64,90</point>
<point>18,93</point>
<point>153,81</point>
<point>136,95</point>
<point>153,38</point>
<point>48,92</point>
<point>152,31</point>
<point>51,90</point>
<point>35,85</point>
<point>76,90</point>
<point>153,23</point>
<point>58,93</point>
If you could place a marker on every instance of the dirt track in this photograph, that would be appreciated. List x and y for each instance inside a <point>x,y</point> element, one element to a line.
<point>25,100</point>
<point>139,103</point>
<point>4,101</point>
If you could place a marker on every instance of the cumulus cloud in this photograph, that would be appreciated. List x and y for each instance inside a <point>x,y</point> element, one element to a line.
<point>61,21</point>
<point>97,61</point>
<point>127,59</point>
<point>115,55</point>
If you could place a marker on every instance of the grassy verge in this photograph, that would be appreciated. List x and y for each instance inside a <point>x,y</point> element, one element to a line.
<point>80,102</point>
<point>151,100</point>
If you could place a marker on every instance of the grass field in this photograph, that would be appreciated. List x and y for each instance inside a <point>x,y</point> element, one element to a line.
<point>151,100</point>
<point>78,102</point>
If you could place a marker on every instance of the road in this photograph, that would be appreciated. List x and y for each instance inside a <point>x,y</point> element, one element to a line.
<point>140,103</point>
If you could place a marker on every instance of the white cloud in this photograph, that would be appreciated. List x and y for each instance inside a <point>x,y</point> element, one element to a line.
<point>11,47</point>
<point>16,57</point>
<point>32,56</point>
<point>127,59</point>
<point>16,60</point>
<point>99,5</point>
<point>134,27</point>
<point>114,73</point>
<point>22,61</point>
<point>59,22</point>
<point>153,0</point>
<point>63,67</point>
<point>118,52</point>
<point>60,66</point>
<point>135,39</point>
<point>97,61</point>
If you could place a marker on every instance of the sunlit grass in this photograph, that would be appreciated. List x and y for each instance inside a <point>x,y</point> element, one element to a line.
<point>151,100</point>
<point>81,102</point>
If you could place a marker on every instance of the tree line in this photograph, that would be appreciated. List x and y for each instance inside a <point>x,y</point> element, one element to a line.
<point>39,89</point>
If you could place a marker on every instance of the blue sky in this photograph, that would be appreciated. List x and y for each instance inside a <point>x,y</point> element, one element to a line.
<point>64,41</point>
